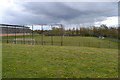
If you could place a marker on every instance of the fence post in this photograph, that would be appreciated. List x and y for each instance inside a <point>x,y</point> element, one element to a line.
<point>15,34</point>
<point>42,34</point>
<point>51,36</point>
<point>32,35</point>
<point>61,43</point>
<point>23,35</point>
<point>7,34</point>
<point>61,35</point>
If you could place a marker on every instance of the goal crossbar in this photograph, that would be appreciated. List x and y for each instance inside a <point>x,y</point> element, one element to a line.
<point>24,39</point>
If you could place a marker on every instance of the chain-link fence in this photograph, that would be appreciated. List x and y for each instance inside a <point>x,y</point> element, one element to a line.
<point>50,35</point>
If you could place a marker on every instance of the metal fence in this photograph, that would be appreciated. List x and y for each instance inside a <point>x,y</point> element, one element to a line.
<point>48,35</point>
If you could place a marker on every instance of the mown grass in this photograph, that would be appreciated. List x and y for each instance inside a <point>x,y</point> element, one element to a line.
<point>68,41</point>
<point>36,61</point>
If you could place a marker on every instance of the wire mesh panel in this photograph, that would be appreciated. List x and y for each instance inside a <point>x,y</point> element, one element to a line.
<point>54,34</point>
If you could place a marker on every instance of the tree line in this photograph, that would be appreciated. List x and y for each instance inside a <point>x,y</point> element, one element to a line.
<point>93,31</point>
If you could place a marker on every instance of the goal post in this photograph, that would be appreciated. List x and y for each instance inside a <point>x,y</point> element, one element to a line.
<point>21,40</point>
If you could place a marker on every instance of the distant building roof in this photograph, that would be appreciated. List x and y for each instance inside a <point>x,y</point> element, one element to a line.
<point>13,25</point>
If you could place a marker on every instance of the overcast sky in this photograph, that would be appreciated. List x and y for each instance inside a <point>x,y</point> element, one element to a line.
<point>67,13</point>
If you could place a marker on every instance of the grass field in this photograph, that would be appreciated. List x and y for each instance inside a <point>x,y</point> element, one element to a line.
<point>68,61</point>
<point>68,41</point>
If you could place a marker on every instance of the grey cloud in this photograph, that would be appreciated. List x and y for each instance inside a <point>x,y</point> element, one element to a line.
<point>68,13</point>
<point>53,10</point>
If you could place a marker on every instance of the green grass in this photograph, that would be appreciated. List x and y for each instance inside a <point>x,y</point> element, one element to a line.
<point>69,41</point>
<point>36,61</point>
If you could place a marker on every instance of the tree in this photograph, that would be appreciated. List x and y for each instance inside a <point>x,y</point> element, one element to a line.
<point>104,30</point>
<point>77,31</point>
<point>73,31</point>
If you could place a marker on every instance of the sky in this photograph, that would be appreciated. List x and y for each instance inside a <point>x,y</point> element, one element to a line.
<point>70,14</point>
